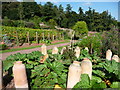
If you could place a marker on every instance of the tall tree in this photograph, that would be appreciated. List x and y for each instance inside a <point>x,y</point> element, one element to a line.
<point>81,14</point>
<point>48,12</point>
<point>68,8</point>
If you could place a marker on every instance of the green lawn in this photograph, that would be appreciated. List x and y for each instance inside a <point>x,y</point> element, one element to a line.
<point>17,49</point>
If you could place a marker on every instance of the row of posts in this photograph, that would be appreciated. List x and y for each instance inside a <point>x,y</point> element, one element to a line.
<point>53,37</point>
<point>75,69</point>
<point>28,37</point>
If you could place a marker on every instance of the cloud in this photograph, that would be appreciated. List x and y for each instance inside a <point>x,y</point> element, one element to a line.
<point>87,3</point>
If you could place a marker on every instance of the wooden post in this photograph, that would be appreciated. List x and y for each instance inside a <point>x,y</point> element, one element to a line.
<point>1,75</point>
<point>43,36</point>
<point>28,37</point>
<point>48,36</point>
<point>36,37</point>
<point>53,37</point>
<point>63,36</point>
<point>17,38</point>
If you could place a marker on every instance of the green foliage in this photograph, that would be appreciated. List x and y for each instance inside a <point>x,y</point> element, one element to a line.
<point>55,69</point>
<point>52,23</point>
<point>118,25</point>
<point>69,54</point>
<point>92,42</point>
<point>49,73</point>
<point>3,46</point>
<point>21,33</point>
<point>107,71</point>
<point>87,83</point>
<point>110,41</point>
<point>36,20</point>
<point>46,41</point>
<point>115,85</point>
<point>27,10</point>
<point>84,54</point>
<point>80,27</point>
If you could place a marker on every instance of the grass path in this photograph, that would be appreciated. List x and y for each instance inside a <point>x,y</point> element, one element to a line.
<point>31,47</point>
<point>3,56</point>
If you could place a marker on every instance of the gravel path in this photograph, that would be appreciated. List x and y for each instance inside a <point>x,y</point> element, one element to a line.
<point>3,56</point>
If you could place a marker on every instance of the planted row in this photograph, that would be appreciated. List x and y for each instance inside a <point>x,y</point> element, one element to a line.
<point>22,34</point>
<point>54,69</point>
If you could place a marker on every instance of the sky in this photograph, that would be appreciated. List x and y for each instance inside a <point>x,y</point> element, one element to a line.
<point>112,7</point>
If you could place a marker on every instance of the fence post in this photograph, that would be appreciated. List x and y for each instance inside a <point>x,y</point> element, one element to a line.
<point>28,37</point>
<point>36,37</point>
<point>1,75</point>
<point>53,37</point>
<point>43,36</point>
<point>48,36</point>
<point>63,36</point>
<point>17,38</point>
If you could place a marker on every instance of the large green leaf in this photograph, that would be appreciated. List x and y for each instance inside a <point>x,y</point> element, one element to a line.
<point>115,85</point>
<point>99,73</point>
<point>97,79</point>
<point>99,85</point>
<point>84,83</point>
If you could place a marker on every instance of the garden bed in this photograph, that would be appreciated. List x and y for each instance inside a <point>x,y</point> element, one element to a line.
<point>55,69</point>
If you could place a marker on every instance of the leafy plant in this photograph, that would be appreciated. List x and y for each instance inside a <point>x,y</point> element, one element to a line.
<point>85,82</point>
<point>107,71</point>
<point>3,46</point>
<point>21,34</point>
<point>110,41</point>
<point>80,27</point>
<point>92,42</point>
<point>55,69</point>
<point>69,54</point>
<point>49,73</point>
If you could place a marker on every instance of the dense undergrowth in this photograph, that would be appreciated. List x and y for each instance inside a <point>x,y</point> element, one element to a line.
<point>55,69</point>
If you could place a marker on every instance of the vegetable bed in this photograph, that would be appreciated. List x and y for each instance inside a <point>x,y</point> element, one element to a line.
<point>105,74</point>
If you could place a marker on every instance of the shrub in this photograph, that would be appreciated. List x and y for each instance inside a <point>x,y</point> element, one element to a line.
<point>3,47</point>
<point>52,23</point>
<point>80,28</point>
<point>110,41</point>
<point>29,25</point>
<point>92,42</point>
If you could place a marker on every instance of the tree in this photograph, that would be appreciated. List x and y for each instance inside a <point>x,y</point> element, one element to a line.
<point>80,27</point>
<point>81,14</point>
<point>48,12</point>
<point>60,8</point>
<point>68,8</point>
<point>52,23</point>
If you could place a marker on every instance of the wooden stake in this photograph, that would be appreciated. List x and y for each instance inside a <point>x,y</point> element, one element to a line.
<point>28,38</point>
<point>36,37</point>
<point>17,39</point>
<point>53,37</point>
<point>43,36</point>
